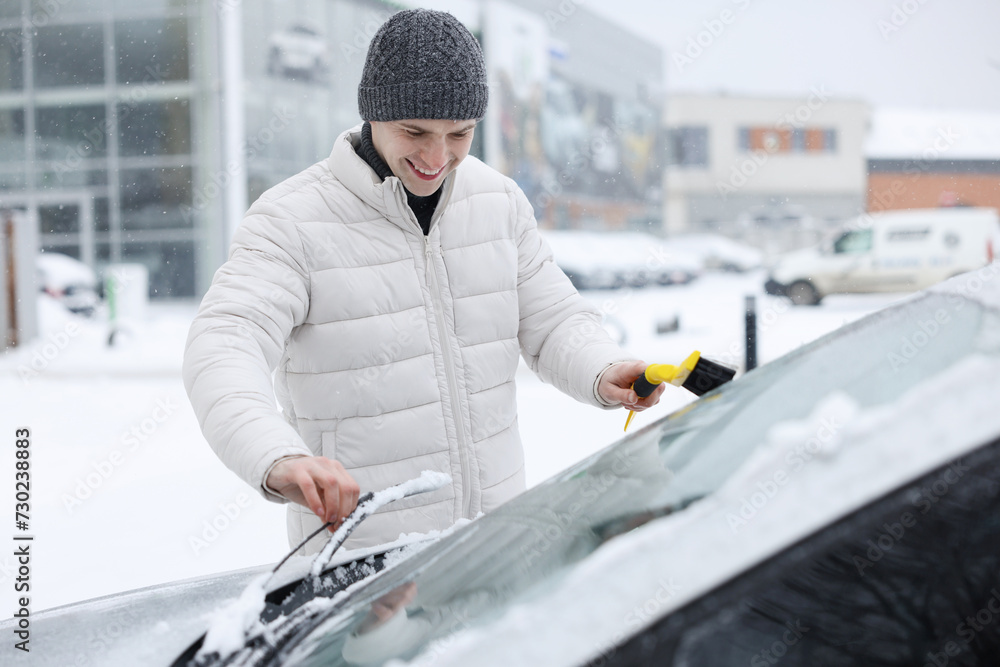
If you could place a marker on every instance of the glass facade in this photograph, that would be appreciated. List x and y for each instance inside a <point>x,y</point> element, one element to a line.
<point>110,119</point>
<point>97,130</point>
<point>112,130</point>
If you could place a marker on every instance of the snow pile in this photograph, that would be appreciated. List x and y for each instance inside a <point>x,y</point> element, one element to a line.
<point>229,626</point>
<point>821,432</point>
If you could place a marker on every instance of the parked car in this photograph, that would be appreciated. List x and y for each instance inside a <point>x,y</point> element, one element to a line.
<point>616,260</point>
<point>838,506</point>
<point>890,252</point>
<point>299,50</point>
<point>69,281</point>
<point>716,252</point>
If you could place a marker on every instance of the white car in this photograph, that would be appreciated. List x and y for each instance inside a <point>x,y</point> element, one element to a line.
<point>893,251</point>
<point>716,252</point>
<point>69,281</point>
<point>615,260</point>
<point>838,506</point>
<point>298,50</point>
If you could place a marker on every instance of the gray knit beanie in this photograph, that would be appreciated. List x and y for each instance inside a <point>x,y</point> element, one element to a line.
<point>423,64</point>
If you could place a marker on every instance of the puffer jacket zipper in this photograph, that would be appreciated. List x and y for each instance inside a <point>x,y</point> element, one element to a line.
<point>452,376</point>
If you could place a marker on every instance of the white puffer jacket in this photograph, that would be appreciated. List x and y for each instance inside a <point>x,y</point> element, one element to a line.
<point>392,352</point>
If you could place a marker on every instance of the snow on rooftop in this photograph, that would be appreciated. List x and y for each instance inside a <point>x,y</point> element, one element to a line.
<point>937,135</point>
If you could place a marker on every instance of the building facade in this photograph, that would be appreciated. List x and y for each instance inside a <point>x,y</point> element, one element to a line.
<point>99,102</point>
<point>764,169</point>
<point>141,131</point>
<point>575,114</point>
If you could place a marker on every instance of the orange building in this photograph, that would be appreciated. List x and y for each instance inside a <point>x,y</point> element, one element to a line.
<point>931,159</point>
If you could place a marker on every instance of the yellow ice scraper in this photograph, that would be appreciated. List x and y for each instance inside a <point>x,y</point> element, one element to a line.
<point>695,374</point>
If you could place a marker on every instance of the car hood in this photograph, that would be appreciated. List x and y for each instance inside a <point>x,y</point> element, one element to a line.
<point>152,625</point>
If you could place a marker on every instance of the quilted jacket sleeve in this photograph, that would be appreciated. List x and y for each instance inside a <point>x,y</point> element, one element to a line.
<point>237,339</point>
<point>560,333</point>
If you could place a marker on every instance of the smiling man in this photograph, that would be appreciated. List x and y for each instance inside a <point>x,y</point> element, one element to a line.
<point>388,291</point>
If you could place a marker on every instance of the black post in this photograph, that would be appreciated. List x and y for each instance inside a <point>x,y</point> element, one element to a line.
<point>751,332</point>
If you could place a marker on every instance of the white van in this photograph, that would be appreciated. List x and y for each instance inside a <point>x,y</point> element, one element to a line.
<point>892,251</point>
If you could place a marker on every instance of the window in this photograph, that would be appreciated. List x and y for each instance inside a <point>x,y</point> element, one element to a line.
<point>44,11</point>
<point>769,139</point>
<point>851,242</point>
<point>153,198</point>
<point>102,216</point>
<point>798,140</point>
<point>743,139</point>
<point>690,146</point>
<point>11,59</point>
<point>830,141</point>
<point>65,175</point>
<point>12,146</point>
<point>154,128</point>
<point>13,180</point>
<point>70,134</point>
<point>69,55</point>
<point>59,219</point>
<point>171,266</point>
<point>784,140</point>
<point>151,51</point>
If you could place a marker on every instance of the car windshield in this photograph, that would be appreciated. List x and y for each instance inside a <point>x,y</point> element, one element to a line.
<point>859,241</point>
<point>523,548</point>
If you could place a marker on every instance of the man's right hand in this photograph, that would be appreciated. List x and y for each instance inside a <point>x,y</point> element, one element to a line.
<point>319,483</point>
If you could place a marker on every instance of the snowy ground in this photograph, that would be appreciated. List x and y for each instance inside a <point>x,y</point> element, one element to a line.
<point>125,492</point>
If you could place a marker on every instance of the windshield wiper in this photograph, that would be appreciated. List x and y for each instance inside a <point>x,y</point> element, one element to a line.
<point>280,623</point>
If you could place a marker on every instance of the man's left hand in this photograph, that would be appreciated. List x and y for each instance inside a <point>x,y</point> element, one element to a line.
<point>616,386</point>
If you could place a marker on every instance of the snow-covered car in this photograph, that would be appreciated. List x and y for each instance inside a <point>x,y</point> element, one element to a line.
<point>615,260</point>
<point>716,252</point>
<point>838,506</point>
<point>69,281</point>
<point>298,50</point>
